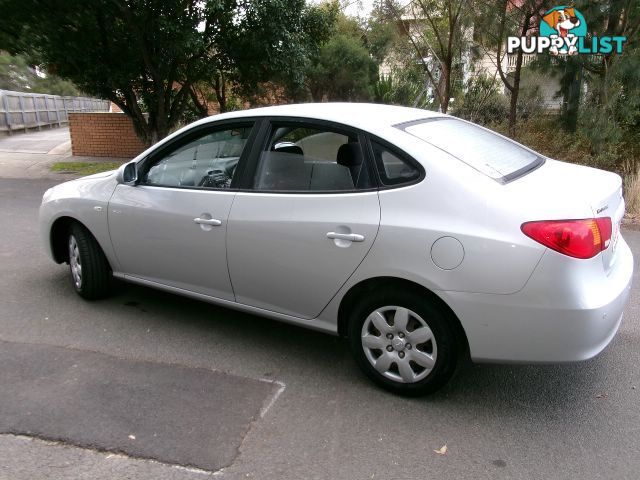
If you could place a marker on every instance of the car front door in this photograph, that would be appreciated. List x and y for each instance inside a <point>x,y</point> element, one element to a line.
<point>306,220</point>
<point>170,228</point>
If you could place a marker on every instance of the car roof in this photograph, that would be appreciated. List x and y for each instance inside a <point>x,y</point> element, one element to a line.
<point>366,116</point>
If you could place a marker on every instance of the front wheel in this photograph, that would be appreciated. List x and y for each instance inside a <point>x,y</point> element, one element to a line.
<point>89,268</point>
<point>403,342</point>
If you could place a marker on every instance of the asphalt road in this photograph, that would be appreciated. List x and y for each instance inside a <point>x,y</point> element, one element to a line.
<point>512,422</point>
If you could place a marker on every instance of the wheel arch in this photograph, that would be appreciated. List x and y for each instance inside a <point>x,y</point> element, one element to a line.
<point>58,237</point>
<point>371,284</point>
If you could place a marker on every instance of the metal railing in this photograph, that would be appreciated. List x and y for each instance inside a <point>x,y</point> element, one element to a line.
<point>512,58</point>
<point>22,111</point>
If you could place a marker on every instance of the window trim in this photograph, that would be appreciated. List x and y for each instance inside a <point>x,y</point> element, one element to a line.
<point>263,139</point>
<point>196,132</point>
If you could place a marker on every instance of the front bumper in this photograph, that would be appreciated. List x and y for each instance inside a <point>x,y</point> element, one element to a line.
<point>569,310</point>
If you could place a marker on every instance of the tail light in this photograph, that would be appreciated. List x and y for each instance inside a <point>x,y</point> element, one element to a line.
<point>583,238</point>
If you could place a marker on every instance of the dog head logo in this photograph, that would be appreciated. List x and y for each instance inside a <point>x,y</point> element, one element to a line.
<point>565,23</point>
<point>562,20</point>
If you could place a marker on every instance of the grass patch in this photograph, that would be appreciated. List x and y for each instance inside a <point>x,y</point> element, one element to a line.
<point>84,168</point>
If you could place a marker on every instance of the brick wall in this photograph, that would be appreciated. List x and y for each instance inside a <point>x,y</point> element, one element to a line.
<point>103,135</point>
<point>114,108</point>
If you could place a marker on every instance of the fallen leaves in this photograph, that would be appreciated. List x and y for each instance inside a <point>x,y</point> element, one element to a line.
<point>442,450</point>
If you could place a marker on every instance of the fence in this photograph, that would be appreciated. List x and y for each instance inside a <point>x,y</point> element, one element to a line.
<point>21,111</point>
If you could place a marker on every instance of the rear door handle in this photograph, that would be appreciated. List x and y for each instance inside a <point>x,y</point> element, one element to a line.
<point>351,237</point>
<point>208,221</point>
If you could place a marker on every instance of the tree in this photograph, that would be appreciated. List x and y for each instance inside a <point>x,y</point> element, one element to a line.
<point>514,17</point>
<point>524,17</point>
<point>435,30</point>
<point>609,18</point>
<point>18,75</point>
<point>610,112</point>
<point>610,99</point>
<point>148,56</point>
<point>343,69</point>
<point>381,34</point>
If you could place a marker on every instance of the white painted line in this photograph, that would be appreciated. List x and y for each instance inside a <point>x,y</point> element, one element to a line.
<point>266,408</point>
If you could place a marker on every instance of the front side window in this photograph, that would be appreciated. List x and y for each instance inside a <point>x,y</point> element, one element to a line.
<point>300,158</point>
<point>209,161</point>
<point>487,152</point>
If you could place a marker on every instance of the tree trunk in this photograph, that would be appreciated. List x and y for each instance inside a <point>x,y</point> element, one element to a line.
<point>445,90</point>
<point>161,129</point>
<point>515,92</point>
<point>201,106</point>
<point>219,85</point>
<point>573,100</point>
<point>570,86</point>
<point>604,83</point>
<point>129,106</point>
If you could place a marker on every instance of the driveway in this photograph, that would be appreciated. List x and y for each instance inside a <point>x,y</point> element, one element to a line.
<point>327,422</point>
<point>31,154</point>
<point>49,140</point>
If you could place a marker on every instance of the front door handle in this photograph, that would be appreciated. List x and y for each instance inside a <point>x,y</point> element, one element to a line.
<point>351,237</point>
<point>208,221</point>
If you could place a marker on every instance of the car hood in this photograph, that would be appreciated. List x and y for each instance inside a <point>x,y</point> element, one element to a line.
<point>98,186</point>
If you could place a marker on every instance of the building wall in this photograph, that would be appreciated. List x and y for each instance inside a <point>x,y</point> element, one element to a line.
<point>103,135</point>
<point>547,84</point>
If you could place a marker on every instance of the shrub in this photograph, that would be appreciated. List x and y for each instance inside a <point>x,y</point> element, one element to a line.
<point>482,103</point>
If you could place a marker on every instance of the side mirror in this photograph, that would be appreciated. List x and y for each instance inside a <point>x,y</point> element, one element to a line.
<point>128,173</point>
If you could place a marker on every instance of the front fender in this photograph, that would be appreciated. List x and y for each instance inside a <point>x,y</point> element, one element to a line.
<point>85,200</point>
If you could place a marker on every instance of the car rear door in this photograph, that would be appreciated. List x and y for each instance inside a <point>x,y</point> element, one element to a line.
<point>170,228</point>
<point>306,220</point>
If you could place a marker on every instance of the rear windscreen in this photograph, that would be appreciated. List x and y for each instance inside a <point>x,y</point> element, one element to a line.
<point>491,154</point>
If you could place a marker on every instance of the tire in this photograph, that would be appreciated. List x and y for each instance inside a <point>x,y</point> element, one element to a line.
<point>88,267</point>
<point>382,326</point>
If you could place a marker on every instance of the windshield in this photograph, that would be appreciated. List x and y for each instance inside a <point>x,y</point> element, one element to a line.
<point>491,154</point>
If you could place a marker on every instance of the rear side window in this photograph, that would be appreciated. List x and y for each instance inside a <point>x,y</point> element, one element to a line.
<point>487,152</point>
<point>311,158</point>
<point>392,168</point>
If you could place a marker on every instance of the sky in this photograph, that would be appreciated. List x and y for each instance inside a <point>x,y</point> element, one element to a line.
<point>354,8</point>
<point>360,8</point>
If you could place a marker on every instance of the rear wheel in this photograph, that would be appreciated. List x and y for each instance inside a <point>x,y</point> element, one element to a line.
<point>90,272</point>
<point>403,342</point>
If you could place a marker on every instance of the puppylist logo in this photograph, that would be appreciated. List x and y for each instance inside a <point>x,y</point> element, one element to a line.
<point>563,31</point>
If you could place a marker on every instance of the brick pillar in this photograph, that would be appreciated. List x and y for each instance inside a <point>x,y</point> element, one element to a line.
<point>104,134</point>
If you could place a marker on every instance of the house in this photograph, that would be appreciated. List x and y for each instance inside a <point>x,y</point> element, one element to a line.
<point>476,60</point>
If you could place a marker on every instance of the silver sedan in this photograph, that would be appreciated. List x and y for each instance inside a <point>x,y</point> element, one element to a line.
<point>420,237</point>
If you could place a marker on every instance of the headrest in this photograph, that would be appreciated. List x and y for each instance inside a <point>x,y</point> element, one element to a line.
<point>294,149</point>
<point>349,155</point>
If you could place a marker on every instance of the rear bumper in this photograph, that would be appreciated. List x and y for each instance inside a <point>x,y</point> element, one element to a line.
<point>568,311</point>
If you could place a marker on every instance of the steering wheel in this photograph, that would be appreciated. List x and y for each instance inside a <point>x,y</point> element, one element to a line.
<point>215,179</point>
